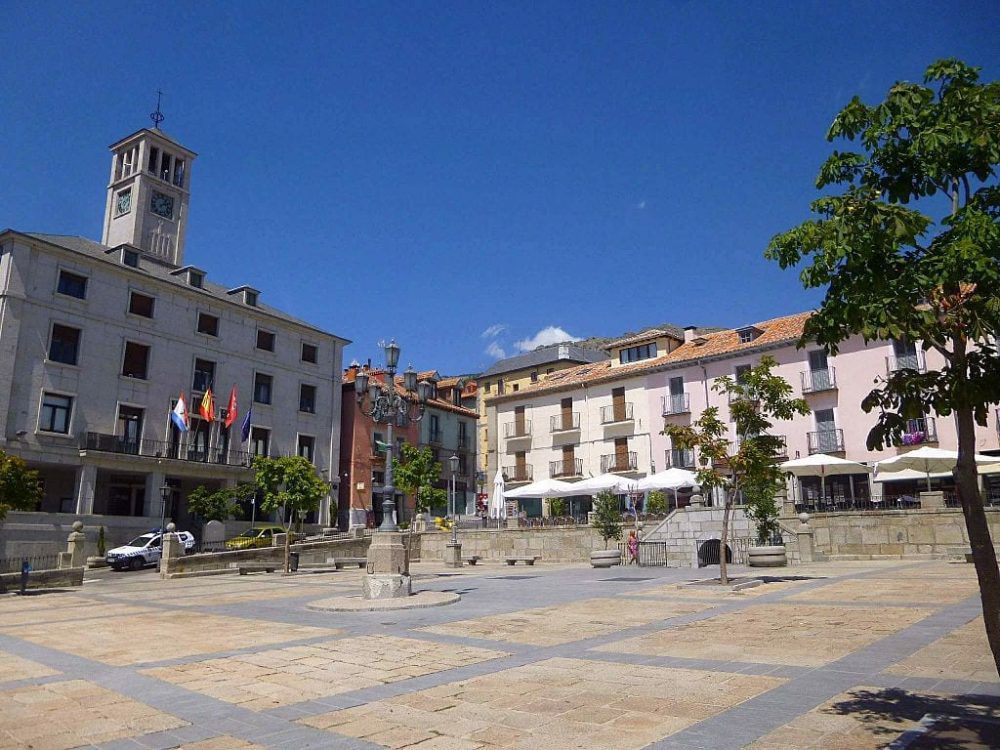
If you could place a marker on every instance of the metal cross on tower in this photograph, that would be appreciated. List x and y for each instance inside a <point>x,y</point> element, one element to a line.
<point>157,116</point>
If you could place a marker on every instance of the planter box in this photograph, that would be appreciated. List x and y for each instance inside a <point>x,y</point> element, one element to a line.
<point>772,556</point>
<point>605,558</point>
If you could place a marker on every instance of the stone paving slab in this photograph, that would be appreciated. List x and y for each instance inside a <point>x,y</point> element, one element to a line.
<point>159,635</point>
<point>548,626</point>
<point>893,591</point>
<point>802,635</point>
<point>714,592</point>
<point>62,715</point>
<point>13,667</point>
<point>963,654</point>
<point>280,677</point>
<point>556,703</point>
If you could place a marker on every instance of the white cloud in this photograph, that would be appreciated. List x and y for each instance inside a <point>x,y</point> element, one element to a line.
<point>640,205</point>
<point>546,336</point>
<point>493,331</point>
<point>495,350</point>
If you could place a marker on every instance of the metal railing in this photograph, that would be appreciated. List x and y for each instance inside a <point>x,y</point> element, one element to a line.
<point>913,361</point>
<point>675,403</point>
<point>513,430</point>
<point>103,443</point>
<point>649,555</point>
<point>614,462</point>
<point>564,422</point>
<point>566,468</point>
<point>680,459</point>
<point>620,412</point>
<point>826,441</point>
<point>518,473</point>
<point>815,381</point>
<point>36,562</point>
<point>919,431</point>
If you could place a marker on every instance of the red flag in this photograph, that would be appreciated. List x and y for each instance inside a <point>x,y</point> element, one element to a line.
<point>231,409</point>
<point>207,406</point>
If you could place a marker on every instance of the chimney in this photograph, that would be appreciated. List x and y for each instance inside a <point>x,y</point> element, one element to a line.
<point>689,334</point>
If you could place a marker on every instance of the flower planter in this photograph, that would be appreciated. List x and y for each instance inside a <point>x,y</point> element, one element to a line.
<point>96,562</point>
<point>605,558</point>
<point>771,556</point>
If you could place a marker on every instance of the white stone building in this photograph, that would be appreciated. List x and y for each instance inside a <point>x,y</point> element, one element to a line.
<point>97,340</point>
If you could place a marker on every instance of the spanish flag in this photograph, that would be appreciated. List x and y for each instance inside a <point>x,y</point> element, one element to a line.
<point>207,406</point>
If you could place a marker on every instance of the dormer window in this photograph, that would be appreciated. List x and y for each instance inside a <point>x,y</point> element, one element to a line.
<point>748,334</point>
<point>637,353</point>
<point>130,258</point>
<point>196,279</point>
<point>250,298</point>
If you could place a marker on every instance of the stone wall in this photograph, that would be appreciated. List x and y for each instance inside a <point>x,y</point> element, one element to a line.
<point>42,579</point>
<point>310,552</point>
<point>559,544</point>
<point>684,530</point>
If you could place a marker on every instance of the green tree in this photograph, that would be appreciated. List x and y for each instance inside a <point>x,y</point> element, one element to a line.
<point>607,516</point>
<point>656,502</point>
<point>557,507</point>
<point>760,499</point>
<point>757,399</point>
<point>218,505</point>
<point>416,472</point>
<point>19,486</point>
<point>906,244</point>
<point>288,482</point>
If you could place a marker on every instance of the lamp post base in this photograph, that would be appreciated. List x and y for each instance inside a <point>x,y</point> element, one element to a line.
<point>453,555</point>
<point>386,586</point>
<point>388,510</point>
<point>388,576</point>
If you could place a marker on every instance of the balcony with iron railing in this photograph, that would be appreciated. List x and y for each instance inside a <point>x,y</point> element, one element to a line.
<point>817,381</point>
<point>145,448</point>
<point>914,361</point>
<point>618,463</point>
<point>565,422</point>
<point>680,459</point>
<point>514,474</point>
<point>567,467</point>
<point>517,430</point>
<point>826,441</point>
<point>617,413</point>
<point>919,431</point>
<point>675,403</point>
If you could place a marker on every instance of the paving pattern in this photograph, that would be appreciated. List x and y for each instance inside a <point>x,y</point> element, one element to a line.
<point>852,657</point>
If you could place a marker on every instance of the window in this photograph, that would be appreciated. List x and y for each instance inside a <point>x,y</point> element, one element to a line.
<point>55,413</point>
<point>136,362</point>
<point>130,428</point>
<point>516,387</point>
<point>500,389</point>
<point>741,372</point>
<point>154,158</point>
<point>265,340</point>
<point>72,285</point>
<point>64,346</point>
<point>141,304</point>
<point>204,375</point>
<point>637,353</point>
<point>260,441</point>
<point>748,334</point>
<point>534,376</point>
<point>550,370</point>
<point>179,172</point>
<point>307,398</point>
<point>208,324</point>
<point>196,279</point>
<point>130,258</point>
<point>307,445</point>
<point>309,353</point>
<point>262,388</point>
<point>250,298</point>
<point>165,167</point>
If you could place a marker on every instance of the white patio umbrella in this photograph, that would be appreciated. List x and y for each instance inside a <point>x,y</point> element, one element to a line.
<point>498,505</point>
<point>617,484</point>
<point>671,479</point>
<point>543,488</point>
<point>927,461</point>
<point>821,465</point>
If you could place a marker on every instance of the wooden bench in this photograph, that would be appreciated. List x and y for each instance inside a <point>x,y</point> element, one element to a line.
<point>252,567</point>
<point>340,562</point>
<point>471,559</point>
<point>526,559</point>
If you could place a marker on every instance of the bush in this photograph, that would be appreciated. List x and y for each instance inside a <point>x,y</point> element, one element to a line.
<point>607,517</point>
<point>656,502</point>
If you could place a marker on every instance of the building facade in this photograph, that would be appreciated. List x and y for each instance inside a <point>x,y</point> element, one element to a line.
<point>609,416</point>
<point>98,341</point>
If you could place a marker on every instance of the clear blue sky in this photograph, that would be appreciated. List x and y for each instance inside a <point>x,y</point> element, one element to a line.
<point>433,170</point>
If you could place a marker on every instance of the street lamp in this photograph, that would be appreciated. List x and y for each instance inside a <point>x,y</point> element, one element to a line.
<point>453,461</point>
<point>384,403</point>
<point>165,491</point>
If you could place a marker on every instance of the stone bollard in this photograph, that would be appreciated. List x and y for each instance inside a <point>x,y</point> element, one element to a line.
<point>453,555</point>
<point>931,500</point>
<point>697,501</point>
<point>76,542</point>
<point>804,536</point>
<point>171,551</point>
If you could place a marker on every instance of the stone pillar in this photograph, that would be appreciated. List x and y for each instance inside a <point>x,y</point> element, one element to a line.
<point>323,517</point>
<point>786,502</point>
<point>386,575</point>
<point>931,500</point>
<point>804,536</point>
<point>453,555</point>
<point>173,549</point>
<point>697,501</point>
<point>86,483</point>
<point>76,545</point>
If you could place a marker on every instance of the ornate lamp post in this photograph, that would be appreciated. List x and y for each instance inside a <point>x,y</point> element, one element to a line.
<point>165,491</point>
<point>384,404</point>
<point>453,462</point>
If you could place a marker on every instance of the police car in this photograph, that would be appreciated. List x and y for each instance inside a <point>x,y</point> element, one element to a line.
<point>144,550</point>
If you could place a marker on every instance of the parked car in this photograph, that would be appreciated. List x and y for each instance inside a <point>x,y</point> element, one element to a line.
<point>144,550</point>
<point>258,536</point>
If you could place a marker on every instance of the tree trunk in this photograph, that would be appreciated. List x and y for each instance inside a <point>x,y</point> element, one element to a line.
<point>727,506</point>
<point>983,555</point>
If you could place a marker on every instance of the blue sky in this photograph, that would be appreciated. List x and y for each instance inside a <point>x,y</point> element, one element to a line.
<point>467,176</point>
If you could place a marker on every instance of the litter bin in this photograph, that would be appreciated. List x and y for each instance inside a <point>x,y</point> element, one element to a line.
<point>293,559</point>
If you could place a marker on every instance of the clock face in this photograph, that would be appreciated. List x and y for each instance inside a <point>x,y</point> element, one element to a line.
<point>123,202</point>
<point>162,205</point>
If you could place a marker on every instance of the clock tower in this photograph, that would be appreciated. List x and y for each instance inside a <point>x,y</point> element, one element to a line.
<point>148,195</point>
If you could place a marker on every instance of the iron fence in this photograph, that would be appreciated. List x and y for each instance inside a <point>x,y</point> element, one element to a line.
<point>36,562</point>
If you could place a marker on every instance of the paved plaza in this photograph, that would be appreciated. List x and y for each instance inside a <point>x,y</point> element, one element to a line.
<point>847,656</point>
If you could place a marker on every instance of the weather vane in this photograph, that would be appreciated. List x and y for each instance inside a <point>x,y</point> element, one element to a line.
<point>157,116</point>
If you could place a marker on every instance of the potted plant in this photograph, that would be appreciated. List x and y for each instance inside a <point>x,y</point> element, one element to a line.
<point>762,510</point>
<point>607,521</point>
